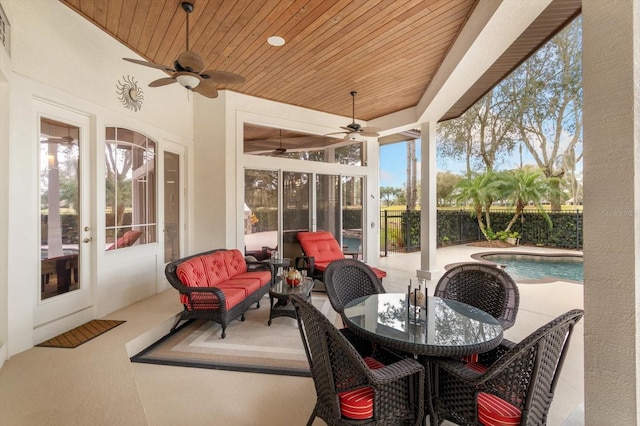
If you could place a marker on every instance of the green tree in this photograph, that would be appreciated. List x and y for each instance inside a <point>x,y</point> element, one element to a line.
<point>546,92</point>
<point>483,132</point>
<point>524,186</point>
<point>445,184</point>
<point>481,191</point>
<point>390,194</point>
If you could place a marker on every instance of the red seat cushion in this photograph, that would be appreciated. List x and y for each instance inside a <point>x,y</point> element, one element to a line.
<point>357,404</point>
<point>494,411</point>
<point>322,245</point>
<point>209,301</point>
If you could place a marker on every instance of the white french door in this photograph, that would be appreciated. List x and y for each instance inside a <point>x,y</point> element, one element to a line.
<point>65,196</point>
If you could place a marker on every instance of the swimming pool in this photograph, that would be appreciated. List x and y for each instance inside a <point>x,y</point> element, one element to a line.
<point>529,267</point>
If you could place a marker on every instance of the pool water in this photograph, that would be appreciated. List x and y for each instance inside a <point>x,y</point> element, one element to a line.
<point>534,267</point>
<point>354,244</point>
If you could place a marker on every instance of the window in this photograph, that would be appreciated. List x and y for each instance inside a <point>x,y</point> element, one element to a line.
<point>130,176</point>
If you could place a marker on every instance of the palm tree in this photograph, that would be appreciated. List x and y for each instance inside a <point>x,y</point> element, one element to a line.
<point>524,186</point>
<point>482,190</point>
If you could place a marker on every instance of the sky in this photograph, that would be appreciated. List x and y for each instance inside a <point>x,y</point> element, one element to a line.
<point>393,163</point>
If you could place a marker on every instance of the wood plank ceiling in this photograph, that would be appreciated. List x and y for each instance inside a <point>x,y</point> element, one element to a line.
<point>386,50</point>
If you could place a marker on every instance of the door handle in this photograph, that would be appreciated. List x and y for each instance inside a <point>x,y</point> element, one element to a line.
<point>87,240</point>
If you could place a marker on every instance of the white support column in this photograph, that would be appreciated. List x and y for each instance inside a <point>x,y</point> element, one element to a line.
<point>428,220</point>
<point>611,81</point>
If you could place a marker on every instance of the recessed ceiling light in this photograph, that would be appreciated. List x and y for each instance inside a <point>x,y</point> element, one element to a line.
<point>276,41</point>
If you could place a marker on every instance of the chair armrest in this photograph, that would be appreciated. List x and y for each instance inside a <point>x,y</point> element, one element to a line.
<point>353,254</point>
<point>306,262</point>
<point>402,368</point>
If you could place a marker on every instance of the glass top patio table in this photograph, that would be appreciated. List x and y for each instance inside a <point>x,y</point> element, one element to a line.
<point>442,327</point>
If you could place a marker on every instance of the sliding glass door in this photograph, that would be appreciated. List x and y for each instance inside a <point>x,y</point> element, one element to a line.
<point>295,211</point>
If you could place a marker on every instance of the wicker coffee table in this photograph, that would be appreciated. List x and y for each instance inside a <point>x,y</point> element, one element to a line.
<point>280,293</point>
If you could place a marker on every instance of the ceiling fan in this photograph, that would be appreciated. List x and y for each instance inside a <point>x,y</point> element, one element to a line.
<point>354,131</point>
<point>187,69</point>
<point>280,150</point>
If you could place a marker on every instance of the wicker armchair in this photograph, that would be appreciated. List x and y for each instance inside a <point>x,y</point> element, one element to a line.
<point>387,394</point>
<point>513,383</point>
<point>484,286</point>
<point>348,279</point>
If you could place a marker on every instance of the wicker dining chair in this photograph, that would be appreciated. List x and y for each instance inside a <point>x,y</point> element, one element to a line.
<point>350,389</point>
<point>513,384</point>
<point>348,279</point>
<point>484,286</point>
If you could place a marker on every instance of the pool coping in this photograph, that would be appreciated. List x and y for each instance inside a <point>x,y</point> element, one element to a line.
<point>480,257</point>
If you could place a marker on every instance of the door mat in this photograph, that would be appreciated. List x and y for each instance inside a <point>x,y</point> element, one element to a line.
<point>250,345</point>
<point>82,334</point>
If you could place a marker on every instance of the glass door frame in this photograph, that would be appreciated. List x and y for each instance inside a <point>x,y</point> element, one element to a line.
<point>63,305</point>
<point>178,150</point>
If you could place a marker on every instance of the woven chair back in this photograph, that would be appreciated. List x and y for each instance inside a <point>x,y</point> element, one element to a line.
<point>348,279</point>
<point>335,364</point>
<point>535,364</point>
<point>484,286</point>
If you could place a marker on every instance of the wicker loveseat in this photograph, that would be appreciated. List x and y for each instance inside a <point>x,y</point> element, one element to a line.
<point>218,285</point>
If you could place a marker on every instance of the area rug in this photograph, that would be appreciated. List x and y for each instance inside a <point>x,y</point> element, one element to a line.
<point>82,334</point>
<point>250,345</point>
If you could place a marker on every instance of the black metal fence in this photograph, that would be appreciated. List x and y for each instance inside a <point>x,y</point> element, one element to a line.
<point>400,229</point>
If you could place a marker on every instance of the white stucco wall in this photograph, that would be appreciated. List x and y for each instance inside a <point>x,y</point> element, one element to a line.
<point>611,79</point>
<point>58,56</point>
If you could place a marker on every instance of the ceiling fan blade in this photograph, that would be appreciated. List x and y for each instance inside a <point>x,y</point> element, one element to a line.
<point>191,61</point>
<point>151,64</point>
<point>162,82</point>
<point>222,77</point>
<point>207,88</point>
<point>369,134</point>
<point>370,129</point>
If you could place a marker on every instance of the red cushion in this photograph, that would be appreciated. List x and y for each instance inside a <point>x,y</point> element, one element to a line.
<point>204,271</point>
<point>262,276</point>
<point>469,358</point>
<point>209,301</point>
<point>357,404</point>
<point>494,411</point>
<point>322,245</point>
<point>476,366</point>
<point>235,262</point>
<point>249,285</point>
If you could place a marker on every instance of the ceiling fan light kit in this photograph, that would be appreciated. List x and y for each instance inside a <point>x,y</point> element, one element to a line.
<point>187,69</point>
<point>188,80</point>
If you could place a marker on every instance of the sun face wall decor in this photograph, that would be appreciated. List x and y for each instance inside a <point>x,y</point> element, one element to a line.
<point>129,93</point>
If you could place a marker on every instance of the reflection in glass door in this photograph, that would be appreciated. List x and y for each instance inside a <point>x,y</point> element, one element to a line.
<point>260,213</point>
<point>328,204</point>
<point>352,214</point>
<point>295,211</point>
<point>60,208</point>
<point>171,206</point>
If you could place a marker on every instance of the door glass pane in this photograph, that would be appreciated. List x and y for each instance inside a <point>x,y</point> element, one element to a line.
<point>295,214</point>
<point>59,201</point>
<point>352,214</point>
<point>328,204</point>
<point>260,213</point>
<point>171,206</point>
